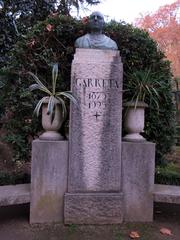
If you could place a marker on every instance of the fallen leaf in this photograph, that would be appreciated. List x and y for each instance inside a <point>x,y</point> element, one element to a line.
<point>165,231</point>
<point>134,235</point>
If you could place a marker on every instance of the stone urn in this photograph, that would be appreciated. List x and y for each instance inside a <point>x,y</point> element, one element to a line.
<point>134,121</point>
<point>51,126</point>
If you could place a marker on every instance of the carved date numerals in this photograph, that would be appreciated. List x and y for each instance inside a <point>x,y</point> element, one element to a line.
<point>97,96</point>
<point>97,100</point>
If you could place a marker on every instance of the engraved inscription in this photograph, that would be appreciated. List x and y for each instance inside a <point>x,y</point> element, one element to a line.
<point>97,83</point>
<point>97,115</point>
<point>97,100</point>
<point>97,104</point>
<point>96,93</point>
<point>97,96</point>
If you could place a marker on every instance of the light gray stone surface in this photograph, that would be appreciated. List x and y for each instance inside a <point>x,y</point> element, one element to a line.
<point>166,193</point>
<point>93,208</point>
<point>138,160</point>
<point>14,194</point>
<point>48,180</point>
<point>95,128</point>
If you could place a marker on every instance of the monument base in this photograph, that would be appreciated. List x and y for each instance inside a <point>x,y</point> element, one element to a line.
<point>138,180</point>
<point>48,180</point>
<point>93,208</point>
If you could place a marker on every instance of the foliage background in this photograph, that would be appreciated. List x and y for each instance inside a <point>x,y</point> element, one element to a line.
<point>52,41</point>
<point>17,17</point>
<point>164,27</point>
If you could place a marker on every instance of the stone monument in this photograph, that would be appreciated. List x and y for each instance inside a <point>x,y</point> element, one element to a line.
<point>94,180</point>
<point>106,181</point>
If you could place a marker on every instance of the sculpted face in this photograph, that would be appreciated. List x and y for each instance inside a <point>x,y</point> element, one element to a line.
<point>96,22</point>
<point>95,38</point>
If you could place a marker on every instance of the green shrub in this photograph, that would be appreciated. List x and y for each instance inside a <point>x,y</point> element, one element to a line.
<point>169,175</point>
<point>52,41</point>
<point>13,178</point>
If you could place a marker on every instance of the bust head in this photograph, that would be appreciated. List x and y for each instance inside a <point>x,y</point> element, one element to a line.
<point>96,39</point>
<point>96,22</point>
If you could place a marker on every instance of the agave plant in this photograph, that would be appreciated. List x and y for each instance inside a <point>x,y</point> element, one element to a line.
<point>53,97</point>
<point>143,83</point>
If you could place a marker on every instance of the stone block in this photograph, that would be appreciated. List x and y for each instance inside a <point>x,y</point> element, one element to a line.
<point>166,193</point>
<point>138,160</point>
<point>93,208</point>
<point>14,194</point>
<point>48,180</point>
<point>95,159</point>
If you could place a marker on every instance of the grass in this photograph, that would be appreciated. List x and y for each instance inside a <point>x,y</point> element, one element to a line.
<point>122,232</point>
<point>118,236</point>
<point>169,175</point>
<point>72,228</point>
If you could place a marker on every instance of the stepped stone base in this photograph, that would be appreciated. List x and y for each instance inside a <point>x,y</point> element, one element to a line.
<point>93,208</point>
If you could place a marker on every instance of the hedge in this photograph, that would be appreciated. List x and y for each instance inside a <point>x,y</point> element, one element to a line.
<point>52,41</point>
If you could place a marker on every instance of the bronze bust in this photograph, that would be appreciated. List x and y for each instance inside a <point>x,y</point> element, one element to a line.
<point>96,39</point>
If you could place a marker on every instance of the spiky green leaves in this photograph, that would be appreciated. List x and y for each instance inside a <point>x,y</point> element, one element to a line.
<point>53,97</point>
<point>142,84</point>
<point>54,77</point>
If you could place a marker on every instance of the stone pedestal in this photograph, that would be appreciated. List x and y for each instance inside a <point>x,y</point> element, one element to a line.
<point>138,165</point>
<point>48,180</point>
<point>95,136</point>
<point>93,208</point>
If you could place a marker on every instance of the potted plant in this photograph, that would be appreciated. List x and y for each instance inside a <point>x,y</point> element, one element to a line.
<point>53,106</point>
<point>141,84</point>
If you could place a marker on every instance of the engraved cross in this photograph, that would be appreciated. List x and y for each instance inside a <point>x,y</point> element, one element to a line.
<point>96,115</point>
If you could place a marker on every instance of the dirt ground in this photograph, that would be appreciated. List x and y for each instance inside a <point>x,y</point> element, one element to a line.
<point>14,226</point>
